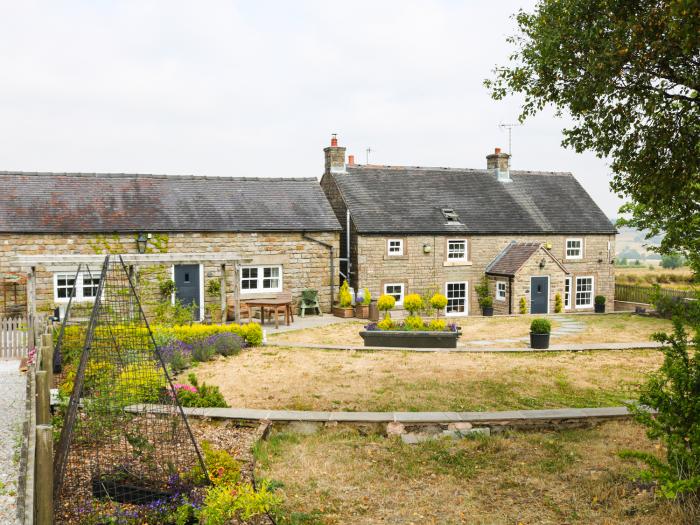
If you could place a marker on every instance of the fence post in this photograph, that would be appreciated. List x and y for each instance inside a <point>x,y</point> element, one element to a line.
<point>43,398</point>
<point>44,475</point>
<point>47,357</point>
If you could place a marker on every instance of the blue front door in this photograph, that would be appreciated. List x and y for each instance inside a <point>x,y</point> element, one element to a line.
<point>187,286</point>
<point>539,295</point>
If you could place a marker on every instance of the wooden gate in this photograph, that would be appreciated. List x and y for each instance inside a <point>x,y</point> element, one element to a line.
<point>13,337</point>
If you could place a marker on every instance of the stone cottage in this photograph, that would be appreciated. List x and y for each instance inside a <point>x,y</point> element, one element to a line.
<point>281,234</point>
<point>533,235</point>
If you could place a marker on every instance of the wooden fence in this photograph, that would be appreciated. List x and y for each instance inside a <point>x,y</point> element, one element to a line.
<point>643,294</point>
<point>13,337</point>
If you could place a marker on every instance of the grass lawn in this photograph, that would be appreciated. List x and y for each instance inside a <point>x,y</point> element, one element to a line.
<point>302,379</point>
<point>615,328</point>
<point>677,278</point>
<point>341,477</point>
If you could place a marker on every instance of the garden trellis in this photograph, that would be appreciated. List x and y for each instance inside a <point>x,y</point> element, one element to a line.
<point>112,449</point>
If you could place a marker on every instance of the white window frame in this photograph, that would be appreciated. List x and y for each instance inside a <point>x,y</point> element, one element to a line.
<point>566,248</point>
<point>500,297</point>
<point>567,296</point>
<point>260,278</point>
<point>79,286</point>
<point>466,299</point>
<point>398,252</point>
<point>575,302</point>
<point>464,257</point>
<point>403,291</point>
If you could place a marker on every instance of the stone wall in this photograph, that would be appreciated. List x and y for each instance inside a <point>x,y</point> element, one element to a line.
<point>428,272</point>
<point>305,264</point>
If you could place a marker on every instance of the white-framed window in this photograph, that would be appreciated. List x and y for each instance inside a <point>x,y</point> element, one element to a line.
<point>396,290</point>
<point>85,289</point>
<point>567,293</point>
<point>500,290</point>
<point>394,246</point>
<point>574,248</point>
<point>456,294</point>
<point>584,292</point>
<point>457,250</point>
<point>261,279</point>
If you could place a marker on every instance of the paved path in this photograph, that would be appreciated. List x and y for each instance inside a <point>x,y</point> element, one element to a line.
<point>566,347</point>
<point>12,411</point>
<point>567,326</point>
<point>480,418</point>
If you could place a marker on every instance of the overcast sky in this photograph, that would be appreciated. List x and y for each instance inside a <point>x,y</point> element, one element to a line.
<point>256,88</point>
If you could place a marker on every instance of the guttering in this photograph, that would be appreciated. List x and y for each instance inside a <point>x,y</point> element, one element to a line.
<point>331,248</point>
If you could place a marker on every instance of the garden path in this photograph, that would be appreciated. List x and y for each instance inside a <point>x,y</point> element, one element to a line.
<point>12,412</point>
<point>567,326</point>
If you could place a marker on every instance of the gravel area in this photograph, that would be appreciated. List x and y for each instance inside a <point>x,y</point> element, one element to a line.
<point>12,407</point>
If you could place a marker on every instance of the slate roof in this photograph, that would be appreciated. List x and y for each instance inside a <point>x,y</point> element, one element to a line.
<point>89,202</point>
<point>514,256</point>
<point>400,199</point>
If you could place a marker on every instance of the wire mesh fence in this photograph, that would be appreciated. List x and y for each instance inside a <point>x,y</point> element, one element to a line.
<point>114,454</point>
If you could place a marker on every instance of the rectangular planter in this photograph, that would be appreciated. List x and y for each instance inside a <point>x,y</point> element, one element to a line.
<point>343,312</point>
<point>395,339</point>
<point>362,311</point>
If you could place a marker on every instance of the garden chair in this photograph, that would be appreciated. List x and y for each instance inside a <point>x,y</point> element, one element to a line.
<point>231,310</point>
<point>309,301</point>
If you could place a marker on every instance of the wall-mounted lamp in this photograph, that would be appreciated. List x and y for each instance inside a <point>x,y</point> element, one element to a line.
<point>427,248</point>
<point>548,245</point>
<point>142,242</point>
<point>542,263</point>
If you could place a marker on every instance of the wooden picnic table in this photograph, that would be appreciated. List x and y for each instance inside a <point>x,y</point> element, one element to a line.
<point>273,304</point>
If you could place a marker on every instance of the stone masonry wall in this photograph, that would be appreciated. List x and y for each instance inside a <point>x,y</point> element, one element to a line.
<point>427,272</point>
<point>305,264</point>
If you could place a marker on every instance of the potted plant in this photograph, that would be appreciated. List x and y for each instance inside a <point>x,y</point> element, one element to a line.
<point>539,333</point>
<point>364,298</point>
<point>485,299</point>
<point>344,306</point>
<point>386,303</point>
<point>599,304</point>
<point>557,303</point>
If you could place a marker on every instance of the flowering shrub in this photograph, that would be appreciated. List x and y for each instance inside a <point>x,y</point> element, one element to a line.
<point>437,325</point>
<point>414,322</point>
<point>200,396</point>
<point>385,324</point>
<point>177,354</point>
<point>227,343</point>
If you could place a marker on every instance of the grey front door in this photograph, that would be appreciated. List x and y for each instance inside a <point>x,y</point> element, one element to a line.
<point>539,295</point>
<point>187,285</point>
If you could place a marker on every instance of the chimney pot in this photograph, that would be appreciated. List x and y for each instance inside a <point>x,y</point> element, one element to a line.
<point>334,140</point>
<point>498,150</point>
<point>351,160</point>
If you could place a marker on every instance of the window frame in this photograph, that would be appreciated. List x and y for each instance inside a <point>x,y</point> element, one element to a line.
<point>401,251</point>
<point>466,299</point>
<point>79,286</point>
<point>592,292</point>
<point>260,279</point>
<point>464,258</point>
<point>566,249</point>
<point>498,290</point>
<point>403,291</point>
<point>567,295</point>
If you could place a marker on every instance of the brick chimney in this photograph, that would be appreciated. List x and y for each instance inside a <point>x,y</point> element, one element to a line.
<point>499,163</point>
<point>335,157</point>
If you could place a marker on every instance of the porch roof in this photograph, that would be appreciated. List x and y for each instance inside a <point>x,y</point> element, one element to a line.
<point>515,255</point>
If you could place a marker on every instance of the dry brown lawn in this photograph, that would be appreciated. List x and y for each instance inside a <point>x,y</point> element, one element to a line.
<point>615,328</point>
<point>677,278</point>
<point>574,477</point>
<point>302,379</point>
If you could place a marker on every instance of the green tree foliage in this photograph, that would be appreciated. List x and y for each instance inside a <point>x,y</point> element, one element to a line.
<point>672,260</point>
<point>628,73</point>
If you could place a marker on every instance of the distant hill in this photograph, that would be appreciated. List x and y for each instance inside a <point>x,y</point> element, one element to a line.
<point>632,244</point>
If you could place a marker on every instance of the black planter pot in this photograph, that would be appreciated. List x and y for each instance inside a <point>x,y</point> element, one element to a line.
<point>539,341</point>
<point>399,339</point>
<point>124,491</point>
<point>487,311</point>
<point>599,308</point>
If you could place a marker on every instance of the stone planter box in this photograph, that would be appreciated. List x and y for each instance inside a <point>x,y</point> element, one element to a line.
<point>397,338</point>
<point>343,312</point>
<point>362,311</point>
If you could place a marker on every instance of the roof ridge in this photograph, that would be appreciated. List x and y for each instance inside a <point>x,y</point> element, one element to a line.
<point>109,175</point>
<point>361,167</point>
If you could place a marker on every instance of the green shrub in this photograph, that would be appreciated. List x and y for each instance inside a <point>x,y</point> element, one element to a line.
<point>225,503</point>
<point>71,344</point>
<point>169,314</point>
<point>672,392</point>
<point>437,325</point>
<point>367,298</point>
<point>166,287</point>
<point>540,326</point>
<point>214,287</point>
<point>557,303</point>
<point>522,305</point>
<point>385,324</point>
<point>599,299</point>
<point>222,467</point>
<point>438,302</point>
<point>344,297</point>
<point>141,383</point>
<point>203,350</point>
<point>413,322</point>
<point>482,291</point>
<point>486,302</point>
<point>227,343</point>
<point>386,303</point>
<point>413,302</point>
<point>204,396</point>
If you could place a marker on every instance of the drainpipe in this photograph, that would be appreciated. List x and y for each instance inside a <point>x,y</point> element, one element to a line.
<point>332,265</point>
<point>510,296</point>
<point>347,242</point>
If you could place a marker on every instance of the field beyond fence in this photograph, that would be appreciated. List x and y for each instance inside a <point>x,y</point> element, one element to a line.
<point>643,294</point>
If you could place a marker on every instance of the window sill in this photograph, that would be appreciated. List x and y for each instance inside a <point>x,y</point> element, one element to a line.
<point>395,257</point>
<point>456,263</point>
